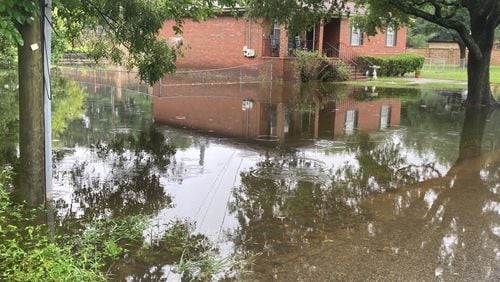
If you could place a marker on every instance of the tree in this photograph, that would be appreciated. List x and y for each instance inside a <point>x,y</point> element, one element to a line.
<point>422,29</point>
<point>477,33</point>
<point>127,33</point>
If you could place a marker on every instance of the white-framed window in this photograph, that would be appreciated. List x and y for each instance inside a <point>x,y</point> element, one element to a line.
<point>390,37</point>
<point>356,37</point>
<point>351,121</point>
<point>385,117</point>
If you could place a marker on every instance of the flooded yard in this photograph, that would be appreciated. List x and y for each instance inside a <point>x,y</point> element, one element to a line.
<point>306,183</point>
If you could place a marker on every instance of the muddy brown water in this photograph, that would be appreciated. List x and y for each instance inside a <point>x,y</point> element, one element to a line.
<point>315,183</point>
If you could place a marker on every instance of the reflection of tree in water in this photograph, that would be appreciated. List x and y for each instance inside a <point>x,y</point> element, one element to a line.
<point>445,224</point>
<point>282,202</point>
<point>289,199</point>
<point>130,183</point>
<point>9,118</point>
<point>149,147</point>
<point>383,166</point>
<point>106,115</point>
<point>465,209</point>
<point>435,123</point>
<point>67,106</point>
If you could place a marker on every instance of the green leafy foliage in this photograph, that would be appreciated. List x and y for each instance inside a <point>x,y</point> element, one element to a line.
<point>8,54</point>
<point>296,15</point>
<point>15,12</point>
<point>314,66</point>
<point>67,104</point>
<point>28,254</point>
<point>124,32</point>
<point>393,65</point>
<point>9,121</point>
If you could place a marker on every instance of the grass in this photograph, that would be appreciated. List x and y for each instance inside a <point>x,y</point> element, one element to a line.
<point>448,77</point>
<point>458,74</point>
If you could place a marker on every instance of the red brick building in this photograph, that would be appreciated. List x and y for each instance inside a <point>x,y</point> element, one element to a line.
<point>226,42</point>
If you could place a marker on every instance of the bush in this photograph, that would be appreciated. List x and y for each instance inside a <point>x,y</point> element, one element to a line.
<point>393,65</point>
<point>27,253</point>
<point>8,55</point>
<point>341,72</point>
<point>314,66</point>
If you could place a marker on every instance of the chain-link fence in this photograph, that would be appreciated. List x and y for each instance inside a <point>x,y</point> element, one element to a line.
<point>445,64</point>
<point>241,74</point>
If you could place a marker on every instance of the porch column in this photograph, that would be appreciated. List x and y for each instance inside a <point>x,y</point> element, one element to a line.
<point>283,42</point>
<point>321,36</point>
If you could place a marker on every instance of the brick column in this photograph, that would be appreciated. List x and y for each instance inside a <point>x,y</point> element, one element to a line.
<point>321,37</point>
<point>283,42</point>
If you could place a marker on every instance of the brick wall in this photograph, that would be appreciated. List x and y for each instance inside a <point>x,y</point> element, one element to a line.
<point>373,45</point>
<point>452,56</point>
<point>217,43</point>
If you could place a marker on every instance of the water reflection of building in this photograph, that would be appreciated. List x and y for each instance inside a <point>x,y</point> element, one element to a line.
<point>266,112</point>
<point>366,116</point>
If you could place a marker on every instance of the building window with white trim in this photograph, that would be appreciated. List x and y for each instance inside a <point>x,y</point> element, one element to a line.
<point>351,121</point>
<point>390,37</point>
<point>356,37</point>
<point>385,117</point>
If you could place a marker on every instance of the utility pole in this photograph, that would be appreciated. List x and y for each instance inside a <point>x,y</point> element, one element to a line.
<point>47,95</point>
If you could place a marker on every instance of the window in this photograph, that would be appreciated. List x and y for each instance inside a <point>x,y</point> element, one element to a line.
<point>275,35</point>
<point>356,37</point>
<point>351,121</point>
<point>385,117</point>
<point>390,37</point>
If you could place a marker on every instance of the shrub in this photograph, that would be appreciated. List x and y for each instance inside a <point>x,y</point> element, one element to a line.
<point>341,72</point>
<point>27,253</point>
<point>393,65</point>
<point>314,66</point>
<point>8,55</point>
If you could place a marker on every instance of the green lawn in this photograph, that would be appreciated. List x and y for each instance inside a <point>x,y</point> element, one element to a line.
<point>458,74</point>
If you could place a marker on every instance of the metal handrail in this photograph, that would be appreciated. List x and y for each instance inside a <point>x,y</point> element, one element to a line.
<point>346,53</point>
<point>345,58</point>
<point>356,55</point>
<point>341,55</point>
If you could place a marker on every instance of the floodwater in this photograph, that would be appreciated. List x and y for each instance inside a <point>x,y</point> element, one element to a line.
<point>314,183</point>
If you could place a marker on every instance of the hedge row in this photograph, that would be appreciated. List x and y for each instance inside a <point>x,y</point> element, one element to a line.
<point>393,65</point>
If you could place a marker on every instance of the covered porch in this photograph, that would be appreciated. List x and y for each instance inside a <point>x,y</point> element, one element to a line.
<point>324,38</point>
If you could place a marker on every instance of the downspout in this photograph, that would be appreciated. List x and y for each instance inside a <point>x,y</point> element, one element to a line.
<point>250,33</point>
<point>314,37</point>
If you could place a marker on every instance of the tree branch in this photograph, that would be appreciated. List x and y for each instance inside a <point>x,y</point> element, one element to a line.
<point>445,22</point>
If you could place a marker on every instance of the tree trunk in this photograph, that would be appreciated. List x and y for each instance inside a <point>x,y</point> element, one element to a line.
<point>478,69</point>
<point>471,138</point>
<point>31,141</point>
<point>463,51</point>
